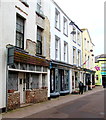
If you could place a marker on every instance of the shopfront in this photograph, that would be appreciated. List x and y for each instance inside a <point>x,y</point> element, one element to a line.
<point>89,78</point>
<point>59,78</point>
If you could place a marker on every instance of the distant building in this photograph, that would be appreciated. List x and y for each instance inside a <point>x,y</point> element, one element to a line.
<point>100,66</point>
<point>88,59</point>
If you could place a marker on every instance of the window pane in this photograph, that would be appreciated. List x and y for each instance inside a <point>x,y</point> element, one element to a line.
<point>20,32</point>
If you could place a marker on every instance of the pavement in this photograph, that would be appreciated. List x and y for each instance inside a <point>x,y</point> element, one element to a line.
<point>38,107</point>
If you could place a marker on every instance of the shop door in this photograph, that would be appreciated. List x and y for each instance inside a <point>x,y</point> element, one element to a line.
<point>104,81</point>
<point>22,87</point>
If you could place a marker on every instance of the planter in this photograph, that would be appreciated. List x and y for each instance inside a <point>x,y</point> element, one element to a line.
<point>10,91</point>
<point>44,87</point>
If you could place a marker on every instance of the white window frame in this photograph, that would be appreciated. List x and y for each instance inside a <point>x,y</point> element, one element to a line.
<point>79,58</point>
<point>57,19</point>
<point>57,48</point>
<point>74,55</point>
<point>78,38</point>
<point>65,26</point>
<point>39,6</point>
<point>65,51</point>
<point>74,35</point>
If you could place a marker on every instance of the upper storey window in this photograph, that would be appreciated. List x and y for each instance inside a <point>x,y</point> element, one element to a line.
<point>57,48</point>
<point>20,32</point>
<point>39,41</point>
<point>39,6</point>
<point>74,34</point>
<point>65,26</point>
<point>57,19</point>
<point>78,38</point>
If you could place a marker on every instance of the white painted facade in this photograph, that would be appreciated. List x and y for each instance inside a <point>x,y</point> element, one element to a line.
<point>65,38</point>
<point>8,11</point>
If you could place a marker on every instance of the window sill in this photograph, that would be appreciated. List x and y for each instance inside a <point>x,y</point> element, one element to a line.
<point>79,44</point>
<point>40,56</point>
<point>25,3</point>
<point>65,34</point>
<point>41,15</point>
<point>58,29</point>
<point>74,41</point>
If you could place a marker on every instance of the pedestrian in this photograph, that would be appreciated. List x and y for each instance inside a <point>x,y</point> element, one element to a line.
<point>81,86</point>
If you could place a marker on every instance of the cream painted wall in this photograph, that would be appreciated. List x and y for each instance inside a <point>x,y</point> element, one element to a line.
<point>86,50</point>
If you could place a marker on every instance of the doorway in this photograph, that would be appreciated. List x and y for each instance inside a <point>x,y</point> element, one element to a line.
<point>22,87</point>
<point>104,81</point>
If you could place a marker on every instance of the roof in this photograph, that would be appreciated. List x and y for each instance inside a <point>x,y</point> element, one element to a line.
<point>85,29</point>
<point>100,56</point>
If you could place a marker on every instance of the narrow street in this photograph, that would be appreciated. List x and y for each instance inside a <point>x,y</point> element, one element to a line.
<point>91,106</point>
<point>88,105</point>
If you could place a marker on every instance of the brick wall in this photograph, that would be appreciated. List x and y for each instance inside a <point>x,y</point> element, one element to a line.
<point>36,96</point>
<point>13,101</point>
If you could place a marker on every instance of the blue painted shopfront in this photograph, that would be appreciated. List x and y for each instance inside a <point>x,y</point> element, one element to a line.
<point>59,79</point>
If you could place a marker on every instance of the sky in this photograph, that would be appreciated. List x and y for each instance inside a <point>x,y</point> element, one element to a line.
<point>87,14</point>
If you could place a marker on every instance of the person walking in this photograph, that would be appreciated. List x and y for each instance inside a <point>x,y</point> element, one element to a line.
<point>81,86</point>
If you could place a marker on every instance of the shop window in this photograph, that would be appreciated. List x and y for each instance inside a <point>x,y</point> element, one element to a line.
<point>13,80</point>
<point>38,68</point>
<point>34,81</point>
<point>44,81</point>
<point>32,67</point>
<point>44,69</point>
<point>23,66</point>
<point>52,80</point>
<point>103,67</point>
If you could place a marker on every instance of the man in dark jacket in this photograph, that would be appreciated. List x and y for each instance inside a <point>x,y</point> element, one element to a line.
<point>81,86</point>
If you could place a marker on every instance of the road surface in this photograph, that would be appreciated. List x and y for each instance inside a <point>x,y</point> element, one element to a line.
<point>91,106</point>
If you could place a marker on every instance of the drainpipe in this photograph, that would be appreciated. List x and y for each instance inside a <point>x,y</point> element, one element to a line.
<point>6,79</point>
<point>7,46</point>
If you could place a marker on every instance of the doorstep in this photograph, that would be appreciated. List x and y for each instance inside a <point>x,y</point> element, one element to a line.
<point>25,104</point>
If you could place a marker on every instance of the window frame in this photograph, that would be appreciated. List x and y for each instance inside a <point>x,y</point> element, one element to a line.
<point>57,48</point>
<point>65,26</point>
<point>74,35</point>
<point>74,55</point>
<point>65,51</point>
<point>57,19</point>
<point>20,31</point>
<point>39,41</point>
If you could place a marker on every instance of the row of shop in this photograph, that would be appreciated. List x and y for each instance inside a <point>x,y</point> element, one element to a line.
<point>33,79</point>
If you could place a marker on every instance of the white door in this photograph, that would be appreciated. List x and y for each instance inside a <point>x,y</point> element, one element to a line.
<point>22,87</point>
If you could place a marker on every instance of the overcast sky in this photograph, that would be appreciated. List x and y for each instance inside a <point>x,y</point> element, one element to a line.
<point>87,14</point>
